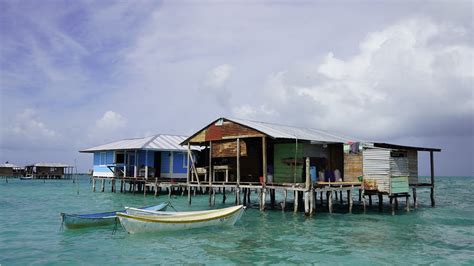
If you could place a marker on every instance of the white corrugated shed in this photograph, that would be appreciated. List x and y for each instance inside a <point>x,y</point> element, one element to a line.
<point>158,142</point>
<point>376,169</point>
<point>290,132</point>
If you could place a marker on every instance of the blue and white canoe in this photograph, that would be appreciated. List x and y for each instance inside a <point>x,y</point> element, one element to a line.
<point>101,219</point>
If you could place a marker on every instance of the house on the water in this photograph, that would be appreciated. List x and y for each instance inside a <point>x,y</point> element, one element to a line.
<point>49,171</point>
<point>10,170</point>
<point>148,158</point>
<point>272,156</point>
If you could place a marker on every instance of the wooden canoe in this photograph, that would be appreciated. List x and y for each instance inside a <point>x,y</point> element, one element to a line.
<point>181,220</point>
<point>100,219</point>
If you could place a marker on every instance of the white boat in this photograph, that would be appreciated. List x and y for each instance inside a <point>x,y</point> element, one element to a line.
<point>159,222</point>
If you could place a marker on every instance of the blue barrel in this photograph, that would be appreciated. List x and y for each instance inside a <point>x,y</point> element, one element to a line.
<point>313,173</point>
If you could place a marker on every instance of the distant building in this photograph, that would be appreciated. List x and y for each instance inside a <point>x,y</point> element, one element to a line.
<point>158,156</point>
<point>48,170</point>
<point>10,170</point>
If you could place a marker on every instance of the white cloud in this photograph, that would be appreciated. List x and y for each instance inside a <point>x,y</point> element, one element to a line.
<point>215,83</point>
<point>408,79</point>
<point>27,125</point>
<point>108,127</point>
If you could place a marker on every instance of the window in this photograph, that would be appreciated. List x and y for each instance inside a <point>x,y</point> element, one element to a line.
<point>103,158</point>
<point>185,160</point>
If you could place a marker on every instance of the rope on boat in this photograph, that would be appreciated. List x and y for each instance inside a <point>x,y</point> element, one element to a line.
<point>115,226</point>
<point>169,204</point>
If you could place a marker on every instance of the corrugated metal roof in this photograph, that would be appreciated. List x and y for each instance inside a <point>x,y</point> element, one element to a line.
<point>50,165</point>
<point>291,132</point>
<point>9,165</point>
<point>160,142</point>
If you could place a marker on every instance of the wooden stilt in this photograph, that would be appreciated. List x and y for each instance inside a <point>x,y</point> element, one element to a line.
<point>249,192</point>
<point>380,202</point>
<point>102,186</point>
<point>349,201</point>
<point>264,196</point>
<point>362,195</point>
<point>121,185</point>
<point>396,202</point>
<point>322,198</point>
<point>285,196</point>
<point>223,195</point>
<point>189,195</point>
<point>340,197</point>
<point>330,202</point>
<point>272,198</point>
<point>237,196</point>
<point>213,197</point>
<point>306,203</point>
<point>370,200</point>
<point>407,202</point>
<point>93,184</point>
<point>415,204</point>
<point>296,201</point>
<point>392,204</point>
<point>312,202</point>
<point>432,179</point>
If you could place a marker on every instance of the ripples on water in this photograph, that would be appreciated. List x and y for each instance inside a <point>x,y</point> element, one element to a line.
<point>30,231</point>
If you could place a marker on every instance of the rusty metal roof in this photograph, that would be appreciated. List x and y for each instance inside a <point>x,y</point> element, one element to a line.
<point>160,142</point>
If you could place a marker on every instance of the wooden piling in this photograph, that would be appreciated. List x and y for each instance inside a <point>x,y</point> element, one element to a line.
<point>93,184</point>
<point>330,201</point>
<point>306,203</point>
<point>370,200</point>
<point>264,196</point>
<point>392,204</point>
<point>407,202</point>
<point>380,202</point>
<point>223,195</point>
<point>285,196</point>
<point>102,187</point>
<point>312,202</point>
<point>341,201</point>
<point>349,199</point>
<point>363,200</point>
<point>415,204</point>
<point>432,179</point>
<point>295,205</point>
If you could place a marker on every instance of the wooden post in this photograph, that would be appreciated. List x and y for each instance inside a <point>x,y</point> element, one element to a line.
<point>432,179</point>
<point>156,188</point>
<point>415,204</point>
<point>285,196</point>
<point>312,202</point>
<point>112,185</point>
<point>211,174</point>
<point>264,160</point>
<point>102,187</point>
<point>188,174</point>
<point>125,161</point>
<point>213,197</point>
<point>93,184</point>
<point>237,195</point>
<point>296,201</point>
<point>121,185</point>
<point>370,200</point>
<point>408,202</point>
<point>330,201</point>
<point>396,202</point>
<point>392,203</point>
<point>135,169</point>
<point>349,195</point>
<point>146,164</point>
<point>264,196</point>
<point>380,202</point>
<point>363,199</point>
<point>306,203</point>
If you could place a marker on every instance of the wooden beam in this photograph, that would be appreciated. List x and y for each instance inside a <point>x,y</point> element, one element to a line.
<point>308,177</point>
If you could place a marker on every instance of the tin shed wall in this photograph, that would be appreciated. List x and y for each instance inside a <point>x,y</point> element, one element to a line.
<point>376,169</point>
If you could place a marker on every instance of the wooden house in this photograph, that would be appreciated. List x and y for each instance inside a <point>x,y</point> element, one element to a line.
<point>158,156</point>
<point>48,170</point>
<point>10,170</point>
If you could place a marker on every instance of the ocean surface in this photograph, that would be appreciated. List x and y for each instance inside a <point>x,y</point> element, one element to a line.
<point>30,230</point>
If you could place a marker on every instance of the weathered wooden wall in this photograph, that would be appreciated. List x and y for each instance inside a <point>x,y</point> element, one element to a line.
<point>228,148</point>
<point>6,171</point>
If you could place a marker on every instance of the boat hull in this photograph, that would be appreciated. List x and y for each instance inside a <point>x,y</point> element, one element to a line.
<point>74,221</point>
<point>182,221</point>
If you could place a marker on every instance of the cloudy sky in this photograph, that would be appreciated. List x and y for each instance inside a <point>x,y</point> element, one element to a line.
<point>75,74</point>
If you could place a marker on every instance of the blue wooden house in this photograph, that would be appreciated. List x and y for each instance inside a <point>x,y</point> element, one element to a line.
<point>159,156</point>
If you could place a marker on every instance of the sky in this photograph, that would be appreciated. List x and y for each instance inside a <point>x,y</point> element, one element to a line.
<point>76,74</point>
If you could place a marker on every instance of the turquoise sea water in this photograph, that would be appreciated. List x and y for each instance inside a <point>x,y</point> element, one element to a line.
<point>30,231</point>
